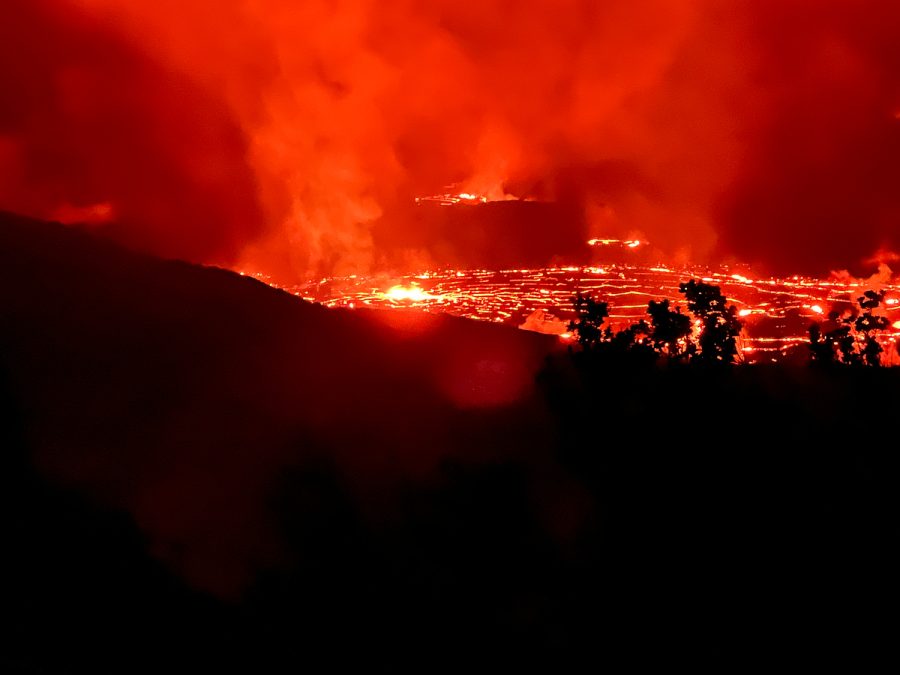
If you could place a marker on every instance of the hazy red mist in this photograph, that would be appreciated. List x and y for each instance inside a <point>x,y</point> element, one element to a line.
<point>93,129</point>
<point>289,136</point>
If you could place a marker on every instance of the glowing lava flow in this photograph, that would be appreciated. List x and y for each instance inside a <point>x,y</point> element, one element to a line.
<point>453,199</point>
<point>776,312</point>
<point>412,293</point>
<point>628,243</point>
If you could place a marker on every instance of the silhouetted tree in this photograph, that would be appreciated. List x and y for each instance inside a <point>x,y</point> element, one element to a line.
<point>821,345</point>
<point>635,342</point>
<point>719,327</point>
<point>868,325</point>
<point>668,333</point>
<point>588,324</point>
<point>853,340</point>
<point>670,330</point>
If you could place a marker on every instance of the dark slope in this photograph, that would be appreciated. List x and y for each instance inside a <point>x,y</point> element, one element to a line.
<point>183,424</point>
<point>179,391</point>
<point>203,473</point>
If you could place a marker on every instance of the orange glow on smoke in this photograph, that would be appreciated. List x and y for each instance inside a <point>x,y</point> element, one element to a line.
<point>280,136</point>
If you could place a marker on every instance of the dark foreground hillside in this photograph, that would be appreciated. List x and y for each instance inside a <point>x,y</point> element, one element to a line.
<point>202,474</point>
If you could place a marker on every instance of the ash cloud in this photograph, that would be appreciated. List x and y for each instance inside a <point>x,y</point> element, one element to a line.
<point>817,187</point>
<point>763,131</point>
<point>94,130</point>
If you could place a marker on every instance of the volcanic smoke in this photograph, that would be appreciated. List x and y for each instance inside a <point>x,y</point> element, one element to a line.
<point>282,137</point>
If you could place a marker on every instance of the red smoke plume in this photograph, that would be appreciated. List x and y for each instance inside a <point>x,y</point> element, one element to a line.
<point>278,134</point>
<point>95,130</point>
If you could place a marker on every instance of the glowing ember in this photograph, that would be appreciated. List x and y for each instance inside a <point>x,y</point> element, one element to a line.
<point>817,309</point>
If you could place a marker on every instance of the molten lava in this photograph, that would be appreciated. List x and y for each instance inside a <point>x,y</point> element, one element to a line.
<point>776,312</point>
<point>412,293</point>
<point>451,199</point>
